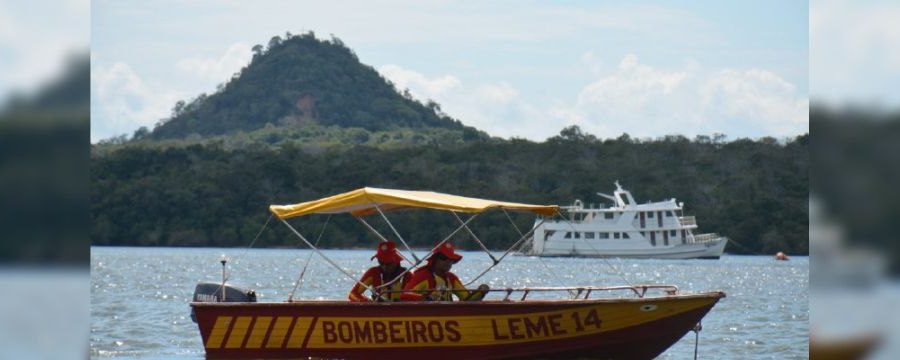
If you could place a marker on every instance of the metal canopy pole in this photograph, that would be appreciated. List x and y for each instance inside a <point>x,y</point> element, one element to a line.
<point>395,231</point>
<point>475,237</point>
<point>524,236</point>
<point>314,248</point>
<point>378,234</point>
<point>308,260</point>
<point>432,250</point>
<point>513,223</point>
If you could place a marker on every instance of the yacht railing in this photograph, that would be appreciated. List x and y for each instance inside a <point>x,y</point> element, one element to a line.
<point>706,237</point>
<point>687,220</point>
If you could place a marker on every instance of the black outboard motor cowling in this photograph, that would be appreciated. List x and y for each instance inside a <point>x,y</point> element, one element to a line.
<point>208,291</point>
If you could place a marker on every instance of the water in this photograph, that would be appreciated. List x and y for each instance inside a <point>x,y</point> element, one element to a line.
<point>140,296</point>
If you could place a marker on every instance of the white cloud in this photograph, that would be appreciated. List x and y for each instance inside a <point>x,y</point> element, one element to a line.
<point>632,86</point>
<point>854,57</point>
<point>418,84</point>
<point>36,41</point>
<point>486,63</point>
<point>499,94</point>
<point>636,98</point>
<point>218,69</point>
<point>758,97</point>
<point>121,101</point>
<point>496,108</point>
<point>593,62</point>
<point>645,101</point>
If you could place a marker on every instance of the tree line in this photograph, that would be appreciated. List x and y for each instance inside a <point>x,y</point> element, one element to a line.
<point>207,194</point>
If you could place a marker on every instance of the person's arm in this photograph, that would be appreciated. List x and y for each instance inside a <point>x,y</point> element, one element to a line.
<point>357,293</point>
<point>415,289</point>
<point>464,294</point>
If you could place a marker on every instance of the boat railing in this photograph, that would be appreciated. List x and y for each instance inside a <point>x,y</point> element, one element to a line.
<point>687,220</point>
<point>584,292</point>
<point>575,292</point>
<point>706,237</point>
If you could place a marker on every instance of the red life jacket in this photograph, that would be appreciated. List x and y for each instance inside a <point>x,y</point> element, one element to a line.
<point>375,278</point>
<point>424,275</point>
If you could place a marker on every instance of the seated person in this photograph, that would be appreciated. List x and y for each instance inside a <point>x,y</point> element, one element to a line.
<point>435,282</point>
<point>388,269</point>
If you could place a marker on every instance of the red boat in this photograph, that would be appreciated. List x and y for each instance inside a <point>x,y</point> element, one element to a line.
<point>639,326</point>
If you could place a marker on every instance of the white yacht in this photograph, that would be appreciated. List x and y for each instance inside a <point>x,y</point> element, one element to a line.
<point>626,229</point>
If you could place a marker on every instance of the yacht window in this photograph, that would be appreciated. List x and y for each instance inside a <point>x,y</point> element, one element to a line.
<point>616,235</point>
<point>668,214</point>
<point>568,235</point>
<point>625,236</point>
<point>603,235</point>
<point>578,235</point>
<point>650,214</point>
<point>608,215</point>
<point>672,233</point>
<point>588,235</point>
<point>548,234</point>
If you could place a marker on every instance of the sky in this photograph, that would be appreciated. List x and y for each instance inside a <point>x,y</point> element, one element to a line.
<point>37,40</point>
<point>512,68</point>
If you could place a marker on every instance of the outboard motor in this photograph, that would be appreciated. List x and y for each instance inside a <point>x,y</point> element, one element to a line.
<point>208,291</point>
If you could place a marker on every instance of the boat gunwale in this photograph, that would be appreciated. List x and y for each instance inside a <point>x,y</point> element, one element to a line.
<point>714,295</point>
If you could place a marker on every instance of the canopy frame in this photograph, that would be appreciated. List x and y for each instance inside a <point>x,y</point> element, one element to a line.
<point>379,236</point>
<point>399,237</point>
<point>399,199</point>
<point>477,240</point>
<point>317,251</point>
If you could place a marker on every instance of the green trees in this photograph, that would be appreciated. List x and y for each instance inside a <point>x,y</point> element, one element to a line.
<point>206,194</point>
<point>305,120</point>
<point>300,79</point>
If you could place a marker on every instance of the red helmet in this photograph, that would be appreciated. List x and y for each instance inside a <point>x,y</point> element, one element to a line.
<point>387,253</point>
<point>446,249</point>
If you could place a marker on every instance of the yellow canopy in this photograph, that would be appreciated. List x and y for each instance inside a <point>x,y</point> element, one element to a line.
<point>363,201</point>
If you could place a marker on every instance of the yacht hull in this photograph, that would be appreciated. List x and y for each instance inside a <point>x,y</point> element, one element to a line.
<point>706,250</point>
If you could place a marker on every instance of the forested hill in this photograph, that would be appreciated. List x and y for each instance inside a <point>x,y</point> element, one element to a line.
<point>753,191</point>
<point>306,120</point>
<point>300,80</point>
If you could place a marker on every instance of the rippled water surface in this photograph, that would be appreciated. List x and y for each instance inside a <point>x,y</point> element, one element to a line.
<point>140,296</point>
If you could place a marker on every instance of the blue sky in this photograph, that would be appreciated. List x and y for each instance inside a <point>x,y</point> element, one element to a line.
<point>511,68</point>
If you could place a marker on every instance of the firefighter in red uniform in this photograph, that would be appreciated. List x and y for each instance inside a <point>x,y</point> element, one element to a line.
<point>388,269</point>
<point>435,282</point>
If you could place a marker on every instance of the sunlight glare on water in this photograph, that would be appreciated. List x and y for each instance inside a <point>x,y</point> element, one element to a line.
<point>140,296</point>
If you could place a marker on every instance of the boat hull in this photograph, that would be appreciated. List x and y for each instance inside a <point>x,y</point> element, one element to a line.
<point>602,328</point>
